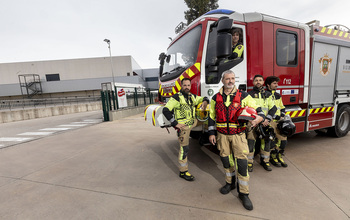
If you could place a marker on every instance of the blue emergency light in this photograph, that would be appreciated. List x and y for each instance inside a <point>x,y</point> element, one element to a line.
<point>219,11</point>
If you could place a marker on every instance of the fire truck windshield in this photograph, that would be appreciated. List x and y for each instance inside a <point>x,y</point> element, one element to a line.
<point>182,54</point>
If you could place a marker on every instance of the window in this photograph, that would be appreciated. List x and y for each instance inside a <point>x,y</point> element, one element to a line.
<point>149,79</point>
<point>287,48</point>
<point>52,77</point>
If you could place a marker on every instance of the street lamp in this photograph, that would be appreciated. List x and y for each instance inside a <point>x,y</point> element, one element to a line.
<point>110,55</point>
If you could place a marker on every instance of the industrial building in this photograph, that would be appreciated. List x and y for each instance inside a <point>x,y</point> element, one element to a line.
<point>71,77</point>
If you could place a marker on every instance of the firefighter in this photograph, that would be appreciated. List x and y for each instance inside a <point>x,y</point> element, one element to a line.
<point>231,137</point>
<point>264,100</point>
<point>237,45</point>
<point>180,111</point>
<point>277,152</point>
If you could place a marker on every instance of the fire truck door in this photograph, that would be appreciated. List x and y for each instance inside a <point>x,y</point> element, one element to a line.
<point>323,72</point>
<point>343,75</point>
<point>288,48</point>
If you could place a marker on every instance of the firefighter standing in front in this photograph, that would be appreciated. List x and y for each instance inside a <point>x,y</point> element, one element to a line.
<point>264,100</point>
<point>180,111</point>
<point>231,137</point>
<point>277,152</point>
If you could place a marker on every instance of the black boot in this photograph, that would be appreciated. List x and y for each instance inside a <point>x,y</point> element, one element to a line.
<point>273,159</point>
<point>250,167</point>
<point>280,159</point>
<point>228,186</point>
<point>187,176</point>
<point>245,201</point>
<point>266,165</point>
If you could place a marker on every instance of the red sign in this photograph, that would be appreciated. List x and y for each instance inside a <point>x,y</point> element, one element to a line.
<point>121,93</point>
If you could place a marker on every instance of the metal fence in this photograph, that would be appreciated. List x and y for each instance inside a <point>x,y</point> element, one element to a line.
<point>134,98</point>
<point>44,102</point>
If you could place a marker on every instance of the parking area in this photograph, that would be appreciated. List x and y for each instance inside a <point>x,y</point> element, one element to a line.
<point>127,169</point>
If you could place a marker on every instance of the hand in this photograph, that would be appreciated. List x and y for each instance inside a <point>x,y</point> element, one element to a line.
<point>212,139</point>
<point>180,126</point>
<point>266,123</point>
<point>257,120</point>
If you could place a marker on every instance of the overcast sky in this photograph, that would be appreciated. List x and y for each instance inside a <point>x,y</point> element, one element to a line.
<point>64,29</point>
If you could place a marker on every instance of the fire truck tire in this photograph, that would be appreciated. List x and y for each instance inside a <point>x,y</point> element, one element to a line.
<point>342,123</point>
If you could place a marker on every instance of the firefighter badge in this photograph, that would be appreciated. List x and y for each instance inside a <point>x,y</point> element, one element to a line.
<point>325,66</point>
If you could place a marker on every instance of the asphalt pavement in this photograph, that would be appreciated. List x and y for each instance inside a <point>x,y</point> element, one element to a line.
<point>127,169</point>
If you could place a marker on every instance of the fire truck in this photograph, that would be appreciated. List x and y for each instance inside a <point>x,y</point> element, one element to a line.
<point>312,62</point>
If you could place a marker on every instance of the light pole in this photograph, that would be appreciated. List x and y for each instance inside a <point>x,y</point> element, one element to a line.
<point>110,55</point>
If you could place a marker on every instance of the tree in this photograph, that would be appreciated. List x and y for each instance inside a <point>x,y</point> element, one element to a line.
<point>198,8</point>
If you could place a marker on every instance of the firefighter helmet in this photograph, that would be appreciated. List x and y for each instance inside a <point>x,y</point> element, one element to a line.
<point>286,126</point>
<point>265,132</point>
<point>246,114</point>
<point>202,115</point>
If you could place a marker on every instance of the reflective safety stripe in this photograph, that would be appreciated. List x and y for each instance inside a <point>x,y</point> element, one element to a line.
<point>250,157</point>
<point>264,108</point>
<point>172,120</point>
<point>269,117</point>
<point>231,174</point>
<point>183,164</point>
<point>221,125</point>
<point>265,156</point>
<point>211,128</point>
<point>241,182</point>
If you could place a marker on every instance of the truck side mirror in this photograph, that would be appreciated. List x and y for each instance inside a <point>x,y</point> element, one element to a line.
<point>224,38</point>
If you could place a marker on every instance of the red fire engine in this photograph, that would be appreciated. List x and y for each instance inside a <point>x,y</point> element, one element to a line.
<point>312,62</point>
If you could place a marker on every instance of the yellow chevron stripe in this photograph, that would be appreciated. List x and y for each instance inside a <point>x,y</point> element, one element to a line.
<point>181,77</point>
<point>341,34</point>
<point>294,113</point>
<point>329,109</point>
<point>178,86</point>
<point>301,113</point>
<point>335,32</point>
<point>174,90</point>
<point>346,35</point>
<point>198,66</point>
<point>317,109</point>
<point>310,111</point>
<point>329,31</point>
<point>323,30</point>
<point>190,73</point>
<point>287,113</point>
<point>322,110</point>
<point>332,109</point>
<point>161,92</point>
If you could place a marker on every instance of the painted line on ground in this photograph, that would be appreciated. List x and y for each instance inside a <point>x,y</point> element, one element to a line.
<point>9,139</point>
<point>72,125</point>
<point>36,133</point>
<point>54,129</point>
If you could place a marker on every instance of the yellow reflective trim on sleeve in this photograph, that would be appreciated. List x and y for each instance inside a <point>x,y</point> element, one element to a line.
<point>323,29</point>
<point>301,113</point>
<point>198,66</point>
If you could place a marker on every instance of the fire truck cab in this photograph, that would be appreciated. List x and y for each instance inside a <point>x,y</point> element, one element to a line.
<point>312,62</point>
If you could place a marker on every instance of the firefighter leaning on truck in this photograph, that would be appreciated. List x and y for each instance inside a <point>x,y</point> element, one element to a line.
<point>180,111</point>
<point>264,100</point>
<point>231,138</point>
<point>277,149</point>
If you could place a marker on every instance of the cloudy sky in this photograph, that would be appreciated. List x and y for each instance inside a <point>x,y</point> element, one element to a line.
<point>65,29</point>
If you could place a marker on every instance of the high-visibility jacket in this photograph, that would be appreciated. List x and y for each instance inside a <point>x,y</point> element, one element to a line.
<point>237,51</point>
<point>281,109</point>
<point>264,100</point>
<point>223,110</point>
<point>182,108</point>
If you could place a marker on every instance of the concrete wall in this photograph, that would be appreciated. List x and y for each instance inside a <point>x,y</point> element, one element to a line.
<point>26,114</point>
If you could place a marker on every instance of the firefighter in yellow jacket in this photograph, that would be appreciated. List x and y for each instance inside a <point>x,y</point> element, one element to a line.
<point>231,138</point>
<point>264,100</point>
<point>180,111</point>
<point>277,152</point>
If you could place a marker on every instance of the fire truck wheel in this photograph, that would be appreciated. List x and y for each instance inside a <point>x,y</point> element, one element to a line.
<point>342,123</point>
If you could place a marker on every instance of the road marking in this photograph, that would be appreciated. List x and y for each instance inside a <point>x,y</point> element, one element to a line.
<point>36,133</point>
<point>1,145</point>
<point>94,120</point>
<point>55,129</point>
<point>84,122</point>
<point>72,125</point>
<point>14,139</point>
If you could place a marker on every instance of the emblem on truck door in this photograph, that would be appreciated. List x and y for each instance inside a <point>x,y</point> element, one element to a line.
<point>325,66</point>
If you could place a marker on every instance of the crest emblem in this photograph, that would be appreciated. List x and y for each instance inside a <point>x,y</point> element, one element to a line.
<point>325,66</point>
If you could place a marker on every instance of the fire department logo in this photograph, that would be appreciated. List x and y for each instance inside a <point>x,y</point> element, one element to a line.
<point>325,66</point>
<point>210,92</point>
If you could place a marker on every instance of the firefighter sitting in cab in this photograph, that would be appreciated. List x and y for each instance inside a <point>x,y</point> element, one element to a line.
<point>264,100</point>
<point>237,45</point>
<point>231,137</point>
<point>180,110</point>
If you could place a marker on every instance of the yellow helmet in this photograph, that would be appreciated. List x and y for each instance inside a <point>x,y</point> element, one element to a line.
<point>202,114</point>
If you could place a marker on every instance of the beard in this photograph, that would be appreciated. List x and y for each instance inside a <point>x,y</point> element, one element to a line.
<point>229,86</point>
<point>185,91</point>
